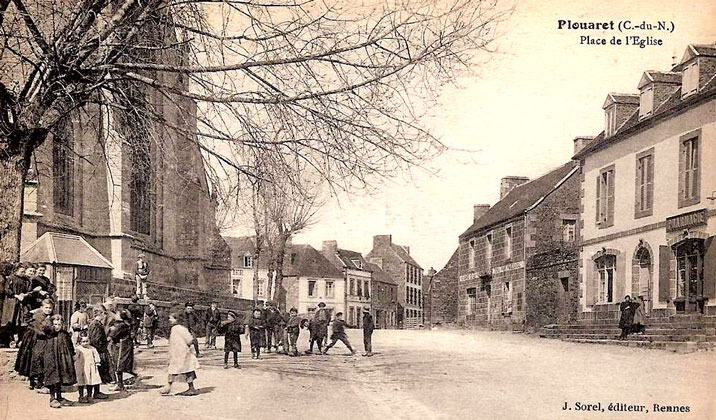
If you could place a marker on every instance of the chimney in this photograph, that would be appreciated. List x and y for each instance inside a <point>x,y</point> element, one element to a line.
<point>654,88</point>
<point>509,182</point>
<point>580,142</point>
<point>618,107</point>
<point>479,210</point>
<point>329,248</point>
<point>382,241</point>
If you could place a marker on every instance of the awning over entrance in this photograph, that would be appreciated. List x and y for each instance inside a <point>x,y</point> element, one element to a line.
<point>62,248</point>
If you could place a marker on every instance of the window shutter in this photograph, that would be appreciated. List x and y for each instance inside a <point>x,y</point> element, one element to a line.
<point>638,184</point>
<point>664,273</point>
<point>682,171</point>
<point>710,268</point>
<point>620,278</point>
<point>610,197</point>
<point>696,172</point>
<point>590,283</point>
<point>650,183</point>
<point>599,205</point>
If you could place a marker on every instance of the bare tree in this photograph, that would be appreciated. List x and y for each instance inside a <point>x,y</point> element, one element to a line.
<point>340,87</point>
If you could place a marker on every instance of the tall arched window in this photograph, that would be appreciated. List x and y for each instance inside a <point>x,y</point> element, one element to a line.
<point>606,267</point>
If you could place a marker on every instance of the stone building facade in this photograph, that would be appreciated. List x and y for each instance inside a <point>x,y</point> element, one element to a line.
<point>309,278</point>
<point>648,201</point>
<point>384,299</point>
<point>494,288</point>
<point>396,261</point>
<point>357,276</point>
<point>442,294</point>
<point>129,189</point>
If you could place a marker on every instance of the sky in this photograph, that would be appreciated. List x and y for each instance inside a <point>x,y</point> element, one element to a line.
<point>517,115</point>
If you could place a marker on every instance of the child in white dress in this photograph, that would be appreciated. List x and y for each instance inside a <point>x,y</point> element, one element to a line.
<point>87,362</point>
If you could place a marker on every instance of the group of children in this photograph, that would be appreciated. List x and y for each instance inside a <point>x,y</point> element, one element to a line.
<point>98,354</point>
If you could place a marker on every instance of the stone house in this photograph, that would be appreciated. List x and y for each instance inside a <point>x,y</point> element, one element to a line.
<point>441,295</point>
<point>309,278</point>
<point>384,298</point>
<point>503,281</point>
<point>396,261</point>
<point>359,288</point>
<point>648,232</point>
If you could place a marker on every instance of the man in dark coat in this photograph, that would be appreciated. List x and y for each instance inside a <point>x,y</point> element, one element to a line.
<point>627,308</point>
<point>368,327</point>
<point>212,318</point>
<point>135,309</point>
<point>193,324</point>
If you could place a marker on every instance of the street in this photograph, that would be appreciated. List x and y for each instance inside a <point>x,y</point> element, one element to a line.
<point>414,375</point>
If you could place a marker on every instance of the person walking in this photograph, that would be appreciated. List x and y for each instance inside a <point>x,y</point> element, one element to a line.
<point>368,327</point>
<point>182,363</point>
<point>192,323</point>
<point>150,321</point>
<point>339,333</point>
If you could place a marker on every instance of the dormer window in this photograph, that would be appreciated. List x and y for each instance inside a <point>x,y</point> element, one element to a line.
<point>646,102</point>
<point>690,81</point>
<point>357,263</point>
<point>610,123</point>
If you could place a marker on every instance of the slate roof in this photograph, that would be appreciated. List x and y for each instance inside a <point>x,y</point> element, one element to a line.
<point>62,248</point>
<point>671,106</point>
<point>403,255</point>
<point>345,258</point>
<point>244,245</point>
<point>305,261</point>
<point>523,198</point>
<point>379,275</point>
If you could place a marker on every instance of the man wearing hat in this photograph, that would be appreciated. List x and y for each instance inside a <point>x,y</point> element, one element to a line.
<point>319,328</point>
<point>368,327</point>
<point>212,318</point>
<point>141,276</point>
<point>192,324</point>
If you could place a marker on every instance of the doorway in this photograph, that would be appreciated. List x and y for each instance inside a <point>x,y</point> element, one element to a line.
<point>689,276</point>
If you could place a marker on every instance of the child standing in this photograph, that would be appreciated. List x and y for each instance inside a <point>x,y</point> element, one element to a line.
<point>98,340</point>
<point>339,333</point>
<point>30,355</point>
<point>58,363</point>
<point>87,364</point>
<point>233,329</point>
<point>182,362</point>
<point>293,328</point>
<point>255,329</point>
<point>122,348</point>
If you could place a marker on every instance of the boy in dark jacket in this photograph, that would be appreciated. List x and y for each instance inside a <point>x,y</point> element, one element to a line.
<point>368,327</point>
<point>232,329</point>
<point>255,328</point>
<point>98,340</point>
<point>212,318</point>
<point>151,319</point>
<point>339,333</point>
<point>293,328</point>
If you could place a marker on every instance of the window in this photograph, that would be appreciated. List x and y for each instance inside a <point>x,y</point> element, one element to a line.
<point>140,186</point>
<point>605,197</point>
<point>471,254</point>
<point>420,299</point>
<point>248,260</point>
<point>519,301</point>
<point>471,301</point>
<point>507,296</point>
<point>646,102</point>
<point>366,289</point>
<point>236,287</point>
<point>359,292</point>
<point>352,290</point>
<point>569,230</point>
<point>689,170</point>
<point>329,289</point>
<point>312,288</point>
<point>237,272</point>
<point>606,268</point>
<point>565,284</point>
<point>644,202</point>
<point>63,172</point>
<point>488,249</point>
<point>408,295</point>
<point>508,242</point>
<point>610,123</point>
<point>351,315</point>
<point>690,80</point>
<point>358,263</point>
<point>690,273</point>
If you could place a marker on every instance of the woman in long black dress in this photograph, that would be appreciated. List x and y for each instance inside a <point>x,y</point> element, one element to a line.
<point>122,347</point>
<point>626,320</point>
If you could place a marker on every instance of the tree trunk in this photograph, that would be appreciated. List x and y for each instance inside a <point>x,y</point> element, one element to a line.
<point>257,253</point>
<point>13,171</point>
<point>280,296</point>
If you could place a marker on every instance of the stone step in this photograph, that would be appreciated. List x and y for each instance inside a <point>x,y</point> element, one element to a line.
<point>645,337</point>
<point>650,330</point>
<point>677,346</point>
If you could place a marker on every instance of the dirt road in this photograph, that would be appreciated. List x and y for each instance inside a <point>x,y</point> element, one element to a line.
<point>414,375</point>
